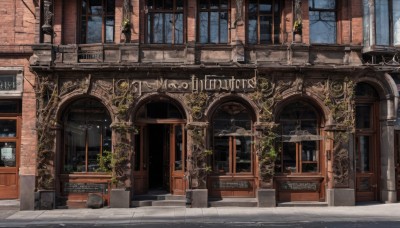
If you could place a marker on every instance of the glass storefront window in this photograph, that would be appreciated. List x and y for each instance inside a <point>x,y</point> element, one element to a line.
<point>87,135</point>
<point>7,154</point>
<point>232,139</point>
<point>8,128</point>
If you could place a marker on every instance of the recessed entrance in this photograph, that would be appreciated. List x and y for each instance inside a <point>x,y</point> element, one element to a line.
<point>159,162</point>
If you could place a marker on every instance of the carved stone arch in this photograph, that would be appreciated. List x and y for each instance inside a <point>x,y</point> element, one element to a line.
<point>144,99</point>
<point>244,100</point>
<point>75,96</point>
<point>310,98</point>
<point>386,88</point>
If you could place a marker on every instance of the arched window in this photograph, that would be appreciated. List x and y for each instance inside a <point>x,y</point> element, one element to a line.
<point>300,136</point>
<point>87,134</point>
<point>232,139</point>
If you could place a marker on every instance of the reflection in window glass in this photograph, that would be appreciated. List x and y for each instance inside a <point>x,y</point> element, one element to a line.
<point>322,21</point>
<point>263,24</point>
<point>165,22</point>
<point>7,154</point>
<point>363,116</point>
<point>8,128</point>
<point>87,134</point>
<point>396,22</point>
<point>97,21</point>
<point>363,146</point>
<point>382,22</point>
<point>232,139</point>
<point>213,22</point>
<point>366,22</point>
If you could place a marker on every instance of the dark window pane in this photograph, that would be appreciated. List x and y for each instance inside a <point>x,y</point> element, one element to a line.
<point>243,154</point>
<point>214,27</point>
<point>204,4</point>
<point>253,7</point>
<point>214,4</point>
<point>224,4</point>
<point>150,4</point>
<point>95,7</point>
<point>252,30</point>
<point>221,154</point>
<point>84,7</point>
<point>8,128</point>
<point>223,27</point>
<point>322,4</point>
<point>382,22</point>
<point>265,29</point>
<point>168,27</point>
<point>309,152</point>
<point>289,158</point>
<point>7,154</point>
<point>363,146</point>
<point>158,20</point>
<point>110,29</point>
<point>168,4</point>
<point>159,4</point>
<point>179,4</point>
<point>203,27</point>
<point>10,106</point>
<point>178,163</point>
<point>110,7</point>
<point>179,28</point>
<point>94,25</point>
<point>363,116</point>
<point>266,7</point>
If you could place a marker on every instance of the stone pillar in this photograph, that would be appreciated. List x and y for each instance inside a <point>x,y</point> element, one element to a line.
<point>341,189</point>
<point>388,163</point>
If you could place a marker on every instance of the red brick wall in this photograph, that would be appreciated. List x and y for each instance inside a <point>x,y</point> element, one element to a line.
<point>17,33</point>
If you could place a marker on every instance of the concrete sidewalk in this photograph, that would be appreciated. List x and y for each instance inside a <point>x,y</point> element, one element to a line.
<point>220,215</point>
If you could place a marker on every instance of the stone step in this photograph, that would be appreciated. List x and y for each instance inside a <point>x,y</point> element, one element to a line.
<point>158,197</point>
<point>233,202</point>
<point>161,203</point>
<point>303,204</point>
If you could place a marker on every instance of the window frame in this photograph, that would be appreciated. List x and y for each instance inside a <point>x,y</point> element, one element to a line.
<point>104,16</point>
<point>391,23</point>
<point>209,10</point>
<point>232,146</point>
<point>314,9</point>
<point>299,160</point>
<point>273,28</point>
<point>149,38</point>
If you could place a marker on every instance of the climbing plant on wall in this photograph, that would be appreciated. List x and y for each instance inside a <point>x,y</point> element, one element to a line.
<point>198,160</point>
<point>47,101</point>
<point>197,102</point>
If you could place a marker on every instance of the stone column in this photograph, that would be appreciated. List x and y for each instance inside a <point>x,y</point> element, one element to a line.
<point>388,163</point>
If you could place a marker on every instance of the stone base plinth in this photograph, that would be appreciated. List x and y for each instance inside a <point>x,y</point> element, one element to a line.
<point>266,197</point>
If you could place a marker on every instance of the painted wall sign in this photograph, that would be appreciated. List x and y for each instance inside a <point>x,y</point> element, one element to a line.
<point>299,186</point>
<point>70,187</point>
<point>8,82</point>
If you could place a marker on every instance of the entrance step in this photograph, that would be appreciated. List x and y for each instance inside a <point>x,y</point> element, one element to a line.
<point>232,202</point>
<point>303,204</point>
<point>158,199</point>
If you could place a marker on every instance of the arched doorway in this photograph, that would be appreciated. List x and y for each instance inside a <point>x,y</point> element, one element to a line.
<point>160,148</point>
<point>367,160</point>
<point>233,169</point>
<point>86,138</point>
<point>300,165</point>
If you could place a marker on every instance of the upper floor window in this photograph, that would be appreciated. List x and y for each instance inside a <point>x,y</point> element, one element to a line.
<point>213,21</point>
<point>165,21</point>
<point>387,21</point>
<point>97,21</point>
<point>263,21</point>
<point>322,21</point>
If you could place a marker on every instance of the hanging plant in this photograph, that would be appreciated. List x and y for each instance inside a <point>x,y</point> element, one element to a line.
<point>126,26</point>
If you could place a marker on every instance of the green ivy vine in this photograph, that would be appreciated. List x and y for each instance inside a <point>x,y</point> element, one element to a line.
<point>197,102</point>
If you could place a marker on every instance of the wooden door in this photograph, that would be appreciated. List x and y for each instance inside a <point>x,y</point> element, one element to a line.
<point>397,157</point>
<point>140,162</point>
<point>177,159</point>
<point>367,152</point>
<point>9,157</point>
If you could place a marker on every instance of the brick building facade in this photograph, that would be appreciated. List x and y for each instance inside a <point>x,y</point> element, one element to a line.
<point>275,101</point>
